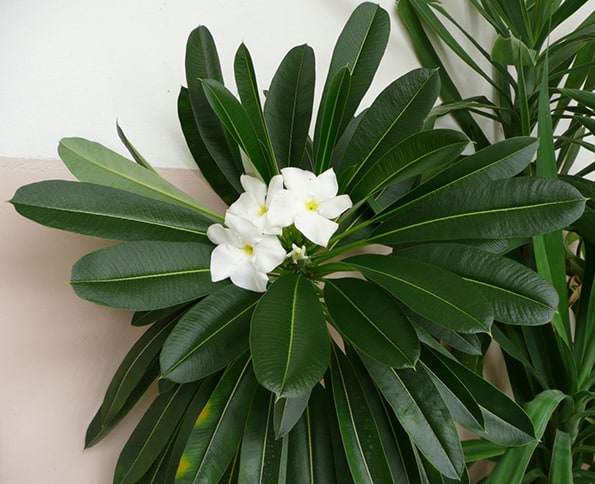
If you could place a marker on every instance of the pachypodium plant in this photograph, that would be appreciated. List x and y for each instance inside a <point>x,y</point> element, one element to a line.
<point>301,336</point>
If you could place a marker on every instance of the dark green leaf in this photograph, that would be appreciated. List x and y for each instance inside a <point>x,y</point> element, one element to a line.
<point>398,112</point>
<point>420,152</point>
<point>512,51</point>
<point>371,320</point>
<point>360,47</point>
<point>143,318</point>
<point>152,434</point>
<point>210,335</point>
<point>422,413</point>
<point>289,341</point>
<point>517,294</point>
<point>434,293</point>
<point>227,187</point>
<point>359,432</point>
<point>287,412</point>
<point>107,212</point>
<point>288,105</point>
<point>140,276</point>
<point>218,429</point>
<point>518,207</point>
<point>238,124</point>
<point>132,150</point>
<point>561,467</point>
<point>586,98</point>
<point>260,455</point>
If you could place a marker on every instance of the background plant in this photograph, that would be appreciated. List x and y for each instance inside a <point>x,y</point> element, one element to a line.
<point>251,386</point>
<point>541,85</point>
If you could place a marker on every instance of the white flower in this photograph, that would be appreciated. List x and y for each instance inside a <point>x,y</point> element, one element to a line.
<point>311,202</point>
<point>297,253</point>
<point>244,253</point>
<point>254,203</point>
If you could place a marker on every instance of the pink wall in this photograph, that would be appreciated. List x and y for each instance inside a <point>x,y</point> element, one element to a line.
<point>57,352</point>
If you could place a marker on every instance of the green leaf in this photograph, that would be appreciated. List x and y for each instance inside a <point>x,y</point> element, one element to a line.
<point>501,160</point>
<point>93,163</point>
<point>372,321</point>
<point>422,413</point>
<point>227,187</point>
<point>138,369</point>
<point>143,318</point>
<point>132,150</point>
<point>398,112</point>
<point>152,434</point>
<point>518,207</point>
<point>287,413</point>
<point>479,449</point>
<point>517,294</point>
<point>513,464</point>
<point>288,106</point>
<point>260,454</point>
<point>209,336</point>
<point>360,47</point>
<point>420,152</point>
<point>330,119</point>
<point>561,467</point>
<point>250,98</point>
<point>359,432</point>
<point>238,124</point>
<point>140,276</point>
<point>218,429</point>
<point>585,98</point>
<point>289,341</point>
<point>202,62</point>
<point>309,449</point>
<point>107,212</point>
<point>510,51</point>
<point>434,293</point>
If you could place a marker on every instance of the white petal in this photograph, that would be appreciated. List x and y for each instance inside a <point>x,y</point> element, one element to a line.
<point>218,234</point>
<point>300,181</point>
<point>244,228</point>
<point>315,227</point>
<point>247,277</point>
<point>256,188</point>
<point>268,254</point>
<point>335,206</point>
<point>224,261</point>
<point>275,186</point>
<point>326,186</point>
<point>246,206</point>
<point>282,209</point>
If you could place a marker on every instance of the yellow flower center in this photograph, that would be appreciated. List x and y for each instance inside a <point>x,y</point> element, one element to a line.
<point>249,250</point>
<point>312,205</point>
<point>262,211</point>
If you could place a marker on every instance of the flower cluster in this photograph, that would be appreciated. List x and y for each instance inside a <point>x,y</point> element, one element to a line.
<point>250,245</point>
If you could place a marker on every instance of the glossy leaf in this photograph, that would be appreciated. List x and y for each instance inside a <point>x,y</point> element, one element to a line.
<point>227,187</point>
<point>398,112</point>
<point>501,160</point>
<point>561,467</point>
<point>359,433</point>
<point>360,47</point>
<point>209,336</point>
<point>260,454</point>
<point>140,159</point>
<point>132,378</point>
<point>330,118</point>
<point>420,152</point>
<point>371,320</point>
<point>238,124</point>
<point>223,158</point>
<point>513,464</point>
<point>152,434</point>
<point>309,450</point>
<point>287,413</point>
<point>218,429</point>
<point>250,98</point>
<point>93,163</point>
<point>517,294</point>
<point>422,413</point>
<point>140,276</point>
<point>143,318</point>
<point>518,207</point>
<point>107,212</point>
<point>436,294</point>
<point>288,106</point>
<point>289,341</point>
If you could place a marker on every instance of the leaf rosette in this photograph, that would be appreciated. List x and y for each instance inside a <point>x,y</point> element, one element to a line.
<point>309,327</point>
